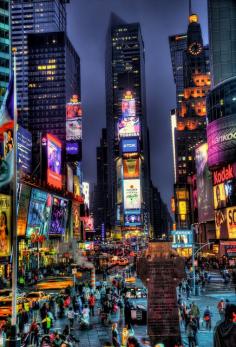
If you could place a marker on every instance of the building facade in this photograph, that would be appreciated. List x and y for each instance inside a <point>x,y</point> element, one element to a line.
<point>190,64</point>
<point>222,39</point>
<point>32,17</point>
<point>126,121</point>
<point>4,47</point>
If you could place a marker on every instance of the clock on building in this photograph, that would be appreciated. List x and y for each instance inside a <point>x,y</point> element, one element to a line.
<point>195,48</point>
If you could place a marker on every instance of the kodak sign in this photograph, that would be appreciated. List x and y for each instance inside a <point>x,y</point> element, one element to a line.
<point>224,174</point>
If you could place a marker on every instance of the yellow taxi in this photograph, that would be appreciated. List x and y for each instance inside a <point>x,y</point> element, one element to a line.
<point>37,296</point>
<point>56,283</point>
<point>6,306</point>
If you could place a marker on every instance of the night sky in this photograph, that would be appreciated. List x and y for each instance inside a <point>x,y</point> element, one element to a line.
<point>87,25</point>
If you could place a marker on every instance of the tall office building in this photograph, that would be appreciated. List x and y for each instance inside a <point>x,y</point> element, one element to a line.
<point>4,47</point>
<point>32,16</point>
<point>127,138</point>
<point>222,39</point>
<point>51,58</point>
<point>191,66</point>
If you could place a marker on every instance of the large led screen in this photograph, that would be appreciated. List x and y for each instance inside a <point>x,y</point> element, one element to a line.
<point>5,225</point>
<point>24,150</point>
<point>54,148</point>
<point>88,224</point>
<point>128,126</point>
<point>58,216</point>
<point>221,138</point>
<point>132,218</point>
<point>74,129</point>
<point>70,179</point>
<point>231,222</point>
<point>128,108</point>
<point>132,194</point>
<point>23,206</point>
<point>230,192</point>
<point>204,186</point>
<point>131,168</point>
<point>39,213</point>
<point>129,145</point>
<point>219,196</point>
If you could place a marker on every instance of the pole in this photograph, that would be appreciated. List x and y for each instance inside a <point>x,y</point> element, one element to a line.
<point>193,261</point>
<point>14,340</point>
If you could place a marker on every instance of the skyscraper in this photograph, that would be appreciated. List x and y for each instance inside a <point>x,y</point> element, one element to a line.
<point>191,74</point>
<point>51,58</point>
<point>222,39</point>
<point>126,120</point>
<point>4,47</point>
<point>37,16</point>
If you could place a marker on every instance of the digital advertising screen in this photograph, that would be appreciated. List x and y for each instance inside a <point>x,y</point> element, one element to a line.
<point>131,168</point>
<point>85,186</point>
<point>23,206</point>
<point>74,150</point>
<point>5,225</point>
<point>54,148</point>
<point>132,194</point>
<point>225,173</point>
<point>219,196</point>
<point>182,238</point>
<point>73,108</point>
<point>70,179</point>
<point>39,213</point>
<point>129,145</point>
<point>204,185</point>
<point>231,222</point>
<point>128,108</point>
<point>74,129</point>
<point>132,218</point>
<point>230,192</point>
<point>24,150</point>
<point>128,126</point>
<point>221,224</point>
<point>76,186</point>
<point>58,217</point>
<point>88,224</point>
<point>76,219</point>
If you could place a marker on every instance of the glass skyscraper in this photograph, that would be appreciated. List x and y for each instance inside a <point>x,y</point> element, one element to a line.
<point>35,16</point>
<point>4,47</point>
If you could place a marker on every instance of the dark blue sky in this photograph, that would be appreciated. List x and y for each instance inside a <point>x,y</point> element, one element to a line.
<point>87,25</point>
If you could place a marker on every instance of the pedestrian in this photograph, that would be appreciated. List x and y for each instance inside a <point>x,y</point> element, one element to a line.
<point>191,332</point>
<point>133,342</point>
<point>225,331</point>
<point>195,313</point>
<point>91,302</point>
<point>187,288</point>
<point>46,323</point>
<point>207,318</point>
<point>71,317</point>
<point>34,333</point>
<point>221,308</point>
<point>115,336</point>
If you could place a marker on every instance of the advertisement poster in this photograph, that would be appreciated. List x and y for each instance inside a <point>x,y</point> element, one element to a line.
<point>54,161</point>
<point>88,224</point>
<point>70,179</point>
<point>6,136</point>
<point>85,186</point>
<point>219,196</point>
<point>204,186</point>
<point>132,218</point>
<point>182,238</point>
<point>76,219</point>
<point>128,126</point>
<point>74,129</point>
<point>24,150</point>
<point>73,108</point>
<point>131,168</point>
<point>39,213</point>
<point>129,145</point>
<point>221,224</point>
<point>76,186</point>
<point>231,222</point>
<point>58,217</point>
<point>132,194</point>
<point>230,192</point>
<point>5,225</point>
<point>128,108</point>
<point>23,206</point>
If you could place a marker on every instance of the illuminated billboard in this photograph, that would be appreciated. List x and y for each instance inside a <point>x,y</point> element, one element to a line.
<point>129,145</point>
<point>231,222</point>
<point>70,179</point>
<point>219,196</point>
<point>128,108</point>
<point>24,150</point>
<point>58,217</point>
<point>23,205</point>
<point>73,119</point>
<point>73,108</point>
<point>39,213</point>
<point>221,138</point>
<point>76,219</point>
<point>85,186</point>
<point>5,225</point>
<point>224,174</point>
<point>230,192</point>
<point>131,168</point>
<point>132,218</point>
<point>204,186</point>
<point>128,126</point>
<point>54,148</point>
<point>132,194</point>
<point>182,238</point>
<point>88,224</point>
<point>74,150</point>
<point>221,224</point>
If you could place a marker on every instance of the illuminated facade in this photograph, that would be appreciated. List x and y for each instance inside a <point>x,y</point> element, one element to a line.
<point>4,48</point>
<point>32,17</point>
<point>51,58</point>
<point>190,64</point>
<point>126,120</point>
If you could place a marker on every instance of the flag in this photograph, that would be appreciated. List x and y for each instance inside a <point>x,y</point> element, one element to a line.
<point>6,135</point>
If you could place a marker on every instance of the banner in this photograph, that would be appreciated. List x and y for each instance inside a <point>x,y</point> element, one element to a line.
<point>76,219</point>
<point>5,225</point>
<point>58,217</point>
<point>54,148</point>
<point>132,194</point>
<point>23,206</point>
<point>219,196</point>
<point>131,168</point>
<point>231,222</point>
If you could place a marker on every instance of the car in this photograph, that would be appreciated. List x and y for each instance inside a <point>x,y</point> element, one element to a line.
<point>55,283</point>
<point>37,296</point>
<point>7,293</point>
<point>122,262</point>
<point>6,307</point>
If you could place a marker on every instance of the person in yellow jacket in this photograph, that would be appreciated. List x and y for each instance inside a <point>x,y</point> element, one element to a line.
<point>46,323</point>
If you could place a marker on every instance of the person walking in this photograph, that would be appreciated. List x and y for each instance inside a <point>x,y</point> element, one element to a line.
<point>207,318</point>
<point>191,332</point>
<point>46,323</point>
<point>195,313</point>
<point>115,336</point>
<point>91,302</point>
<point>221,308</point>
<point>71,317</point>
